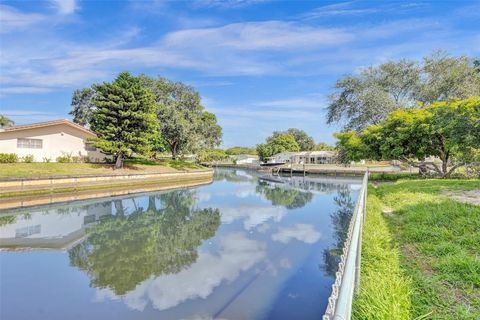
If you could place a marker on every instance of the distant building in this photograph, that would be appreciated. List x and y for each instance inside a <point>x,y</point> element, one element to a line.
<point>314,157</point>
<point>283,157</point>
<point>304,157</point>
<point>245,159</point>
<point>49,140</point>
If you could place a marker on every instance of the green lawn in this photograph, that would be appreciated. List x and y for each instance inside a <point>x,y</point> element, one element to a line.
<point>52,169</point>
<point>424,257</point>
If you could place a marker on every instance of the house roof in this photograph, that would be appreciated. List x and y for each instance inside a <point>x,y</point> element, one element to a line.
<point>47,124</point>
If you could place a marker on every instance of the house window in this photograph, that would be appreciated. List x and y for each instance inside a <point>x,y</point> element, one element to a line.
<point>30,143</point>
<point>89,146</point>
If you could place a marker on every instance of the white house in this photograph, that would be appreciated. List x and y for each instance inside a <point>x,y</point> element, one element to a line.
<point>282,157</point>
<point>304,157</point>
<point>245,159</point>
<point>48,140</point>
<point>314,157</point>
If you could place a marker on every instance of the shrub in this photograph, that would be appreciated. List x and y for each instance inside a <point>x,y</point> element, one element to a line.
<point>86,159</point>
<point>8,158</point>
<point>65,158</point>
<point>76,159</point>
<point>47,159</point>
<point>28,158</point>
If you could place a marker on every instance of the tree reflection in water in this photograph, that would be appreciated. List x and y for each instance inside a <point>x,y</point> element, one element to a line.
<point>123,250</point>
<point>340,220</point>
<point>281,196</point>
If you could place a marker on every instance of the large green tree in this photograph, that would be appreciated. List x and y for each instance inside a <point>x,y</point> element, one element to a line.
<point>82,106</point>
<point>447,130</point>
<point>241,150</point>
<point>124,117</point>
<point>277,144</point>
<point>304,141</point>
<point>366,98</point>
<point>184,125</point>
<point>5,121</point>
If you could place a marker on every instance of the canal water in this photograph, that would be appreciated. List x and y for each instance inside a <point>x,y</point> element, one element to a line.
<point>246,246</point>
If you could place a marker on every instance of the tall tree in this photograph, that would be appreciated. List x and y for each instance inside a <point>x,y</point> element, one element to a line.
<point>277,144</point>
<point>367,98</point>
<point>82,106</point>
<point>447,130</point>
<point>184,125</point>
<point>304,141</point>
<point>124,117</point>
<point>322,146</point>
<point>446,77</point>
<point>241,150</point>
<point>5,121</point>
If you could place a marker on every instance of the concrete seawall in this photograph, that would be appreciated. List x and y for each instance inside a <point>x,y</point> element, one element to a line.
<point>17,193</point>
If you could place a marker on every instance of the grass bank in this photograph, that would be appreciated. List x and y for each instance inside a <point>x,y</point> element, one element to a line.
<point>54,168</point>
<point>422,261</point>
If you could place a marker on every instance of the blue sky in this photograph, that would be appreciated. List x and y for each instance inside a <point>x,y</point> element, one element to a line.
<point>259,65</point>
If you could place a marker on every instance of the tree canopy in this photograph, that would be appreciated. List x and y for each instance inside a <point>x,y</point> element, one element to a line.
<point>304,141</point>
<point>82,106</point>
<point>277,144</point>
<point>366,98</point>
<point>447,130</point>
<point>124,117</point>
<point>241,150</point>
<point>184,125</point>
<point>211,155</point>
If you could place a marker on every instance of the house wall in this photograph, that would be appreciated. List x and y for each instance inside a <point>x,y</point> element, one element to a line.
<point>282,158</point>
<point>57,140</point>
<point>248,160</point>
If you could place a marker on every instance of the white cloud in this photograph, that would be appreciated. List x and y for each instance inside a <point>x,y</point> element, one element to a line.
<point>252,215</point>
<point>24,90</point>
<point>227,3</point>
<point>271,35</point>
<point>65,7</point>
<point>301,232</point>
<point>307,101</point>
<point>13,19</point>
<point>339,9</point>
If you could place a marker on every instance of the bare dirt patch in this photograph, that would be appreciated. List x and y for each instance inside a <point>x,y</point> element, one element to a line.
<point>470,196</point>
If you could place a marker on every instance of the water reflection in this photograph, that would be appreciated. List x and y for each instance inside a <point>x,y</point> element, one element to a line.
<point>340,222</point>
<point>124,250</point>
<point>248,246</point>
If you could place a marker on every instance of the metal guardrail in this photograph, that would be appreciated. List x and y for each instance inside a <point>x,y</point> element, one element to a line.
<point>347,280</point>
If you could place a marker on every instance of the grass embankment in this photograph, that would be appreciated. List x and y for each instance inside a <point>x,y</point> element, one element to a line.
<point>428,259</point>
<point>54,168</point>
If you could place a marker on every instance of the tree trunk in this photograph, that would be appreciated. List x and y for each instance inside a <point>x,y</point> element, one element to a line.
<point>174,150</point>
<point>444,167</point>
<point>119,162</point>
<point>422,169</point>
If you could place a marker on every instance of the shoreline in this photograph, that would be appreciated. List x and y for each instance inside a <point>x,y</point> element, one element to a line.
<point>41,194</point>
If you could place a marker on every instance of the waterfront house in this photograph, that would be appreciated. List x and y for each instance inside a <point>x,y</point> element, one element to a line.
<point>46,141</point>
<point>304,157</point>
<point>245,159</point>
<point>314,157</point>
<point>282,157</point>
